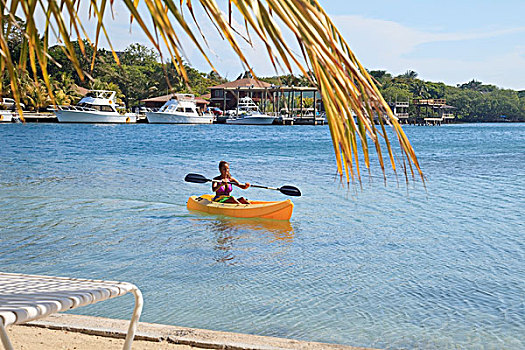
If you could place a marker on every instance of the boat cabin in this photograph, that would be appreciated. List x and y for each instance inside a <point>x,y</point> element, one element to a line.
<point>100,100</point>
<point>155,103</point>
<point>180,103</point>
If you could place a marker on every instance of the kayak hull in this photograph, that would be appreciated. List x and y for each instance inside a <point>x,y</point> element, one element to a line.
<point>279,210</point>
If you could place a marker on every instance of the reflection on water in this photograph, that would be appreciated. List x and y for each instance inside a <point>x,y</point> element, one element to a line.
<point>229,231</point>
<point>280,229</point>
<point>224,248</point>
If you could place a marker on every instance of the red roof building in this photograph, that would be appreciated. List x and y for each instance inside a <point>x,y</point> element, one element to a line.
<point>225,96</point>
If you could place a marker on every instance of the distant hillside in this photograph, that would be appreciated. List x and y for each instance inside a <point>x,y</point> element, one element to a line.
<point>475,101</point>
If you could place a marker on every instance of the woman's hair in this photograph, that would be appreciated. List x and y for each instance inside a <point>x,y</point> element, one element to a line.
<point>222,163</point>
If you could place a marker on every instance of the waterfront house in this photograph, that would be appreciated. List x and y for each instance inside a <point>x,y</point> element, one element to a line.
<point>436,111</point>
<point>225,96</point>
<point>284,101</point>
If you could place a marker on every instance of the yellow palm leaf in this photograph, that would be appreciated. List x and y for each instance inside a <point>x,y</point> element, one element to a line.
<point>356,111</point>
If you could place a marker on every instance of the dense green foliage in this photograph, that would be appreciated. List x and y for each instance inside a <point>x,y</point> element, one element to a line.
<point>475,102</point>
<point>139,75</point>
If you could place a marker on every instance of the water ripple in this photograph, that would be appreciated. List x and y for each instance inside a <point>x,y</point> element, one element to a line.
<point>365,265</point>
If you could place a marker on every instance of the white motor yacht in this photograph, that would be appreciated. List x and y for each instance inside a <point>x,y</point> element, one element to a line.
<point>6,116</point>
<point>180,109</point>
<point>98,106</point>
<point>247,113</point>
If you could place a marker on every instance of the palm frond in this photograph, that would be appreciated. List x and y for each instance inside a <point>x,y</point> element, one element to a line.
<point>356,111</point>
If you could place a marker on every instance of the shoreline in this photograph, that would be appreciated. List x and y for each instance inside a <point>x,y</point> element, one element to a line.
<point>49,118</point>
<point>88,332</point>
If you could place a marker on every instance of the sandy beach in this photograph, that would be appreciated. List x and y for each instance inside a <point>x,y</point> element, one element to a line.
<point>75,332</point>
<point>30,337</point>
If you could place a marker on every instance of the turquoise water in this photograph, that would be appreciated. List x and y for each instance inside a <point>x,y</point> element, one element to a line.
<point>379,266</point>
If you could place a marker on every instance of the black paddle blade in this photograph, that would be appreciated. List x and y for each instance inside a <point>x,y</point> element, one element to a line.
<point>196,178</point>
<point>290,191</point>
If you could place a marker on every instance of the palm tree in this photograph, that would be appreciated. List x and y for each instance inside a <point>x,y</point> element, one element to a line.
<point>472,85</point>
<point>64,90</point>
<point>347,88</point>
<point>409,74</point>
<point>418,88</point>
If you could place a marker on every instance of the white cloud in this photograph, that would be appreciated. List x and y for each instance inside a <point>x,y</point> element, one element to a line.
<point>388,45</point>
<point>505,70</point>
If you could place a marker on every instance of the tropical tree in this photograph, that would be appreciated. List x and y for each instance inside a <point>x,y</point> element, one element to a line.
<point>216,77</point>
<point>395,93</point>
<point>522,108</point>
<point>409,74</point>
<point>64,90</point>
<point>477,86</point>
<point>348,89</point>
<point>472,85</point>
<point>36,96</point>
<point>418,88</point>
<point>382,77</point>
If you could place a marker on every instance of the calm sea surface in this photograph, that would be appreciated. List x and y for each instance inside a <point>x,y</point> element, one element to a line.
<point>379,266</point>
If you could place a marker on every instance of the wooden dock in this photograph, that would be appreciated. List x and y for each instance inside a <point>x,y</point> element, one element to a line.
<point>33,117</point>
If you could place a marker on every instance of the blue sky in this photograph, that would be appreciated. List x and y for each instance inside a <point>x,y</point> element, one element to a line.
<point>448,41</point>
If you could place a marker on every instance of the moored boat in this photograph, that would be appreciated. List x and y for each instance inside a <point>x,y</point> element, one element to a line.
<point>98,106</point>
<point>247,113</point>
<point>180,109</point>
<point>277,210</point>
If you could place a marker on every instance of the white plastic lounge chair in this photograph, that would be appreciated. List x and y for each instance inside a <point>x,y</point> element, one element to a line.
<point>24,298</point>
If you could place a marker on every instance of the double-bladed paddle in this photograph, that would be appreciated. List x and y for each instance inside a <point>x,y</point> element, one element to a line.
<point>287,190</point>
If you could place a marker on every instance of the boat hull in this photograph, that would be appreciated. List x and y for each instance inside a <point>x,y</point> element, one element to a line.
<point>251,120</point>
<point>72,116</point>
<point>6,117</point>
<point>280,210</point>
<point>172,118</point>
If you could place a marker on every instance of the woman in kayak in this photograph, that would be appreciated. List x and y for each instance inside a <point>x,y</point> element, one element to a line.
<point>223,189</point>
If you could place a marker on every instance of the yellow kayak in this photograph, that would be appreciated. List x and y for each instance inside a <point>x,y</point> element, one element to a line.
<point>279,210</point>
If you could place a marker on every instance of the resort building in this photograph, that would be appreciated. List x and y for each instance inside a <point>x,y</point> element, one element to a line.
<point>400,110</point>
<point>225,96</point>
<point>436,111</point>
<point>299,104</point>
